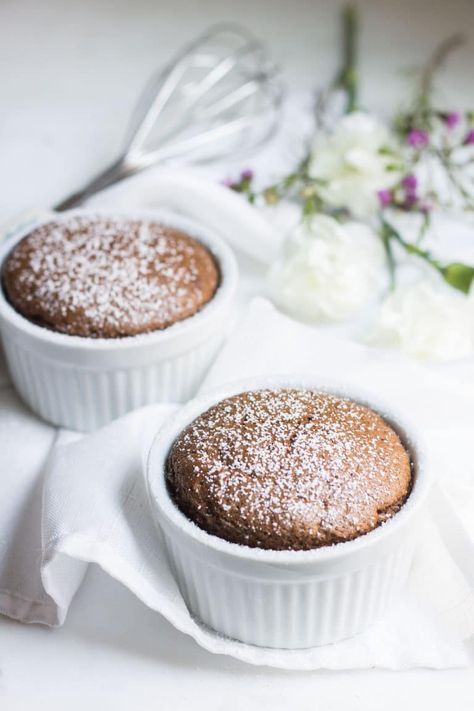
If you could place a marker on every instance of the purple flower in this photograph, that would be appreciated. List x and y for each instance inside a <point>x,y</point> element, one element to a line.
<point>227,182</point>
<point>452,119</point>
<point>385,197</point>
<point>418,138</point>
<point>410,182</point>
<point>246,174</point>
<point>469,139</point>
<point>410,200</point>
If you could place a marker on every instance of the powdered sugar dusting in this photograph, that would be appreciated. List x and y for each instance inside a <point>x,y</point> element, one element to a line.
<point>103,277</point>
<point>288,469</point>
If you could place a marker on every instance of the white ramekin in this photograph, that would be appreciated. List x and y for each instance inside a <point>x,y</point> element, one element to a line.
<point>286,599</point>
<point>83,383</point>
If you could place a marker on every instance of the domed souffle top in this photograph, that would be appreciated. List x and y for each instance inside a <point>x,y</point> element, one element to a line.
<point>99,277</point>
<point>288,469</point>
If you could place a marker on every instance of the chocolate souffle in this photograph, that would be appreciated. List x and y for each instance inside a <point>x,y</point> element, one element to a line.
<point>108,278</point>
<point>288,469</point>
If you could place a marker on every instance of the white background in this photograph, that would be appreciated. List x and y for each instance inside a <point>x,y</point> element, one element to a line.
<point>69,74</point>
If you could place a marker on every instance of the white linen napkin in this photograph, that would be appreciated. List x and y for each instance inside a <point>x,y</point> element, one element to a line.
<point>95,509</point>
<point>68,500</point>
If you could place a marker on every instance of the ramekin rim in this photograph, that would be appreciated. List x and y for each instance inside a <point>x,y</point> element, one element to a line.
<point>164,506</point>
<point>208,236</point>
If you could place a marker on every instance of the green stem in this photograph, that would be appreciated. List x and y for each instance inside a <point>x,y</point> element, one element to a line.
<point>458,275</point>
<point>390,232</point>
<point>386,234</point>
<point>425,226</point>
<point>435,62</point>
<point>348,76</point>
<point>465,194</point>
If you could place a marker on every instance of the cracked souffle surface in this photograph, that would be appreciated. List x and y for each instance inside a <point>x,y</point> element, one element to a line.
<point>288,469</point>
<point>99,277</point>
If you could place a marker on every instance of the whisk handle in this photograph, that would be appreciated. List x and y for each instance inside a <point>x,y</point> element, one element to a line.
<point>113,174</point>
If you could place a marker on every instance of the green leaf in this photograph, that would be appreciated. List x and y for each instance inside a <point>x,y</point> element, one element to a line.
<point>459,276</point>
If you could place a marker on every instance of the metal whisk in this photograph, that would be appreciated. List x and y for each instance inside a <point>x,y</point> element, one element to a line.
<point>220,95</point>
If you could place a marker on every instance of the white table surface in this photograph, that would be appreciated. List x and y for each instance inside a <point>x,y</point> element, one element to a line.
<point>69,73</point>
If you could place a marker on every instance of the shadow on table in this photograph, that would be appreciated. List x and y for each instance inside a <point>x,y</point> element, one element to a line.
<point>105,613</point>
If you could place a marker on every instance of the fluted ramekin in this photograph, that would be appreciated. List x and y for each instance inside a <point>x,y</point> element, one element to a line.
<point>287,599</point>
<point>83,383</point>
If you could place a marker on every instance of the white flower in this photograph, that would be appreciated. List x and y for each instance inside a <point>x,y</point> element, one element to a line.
<point>428,321</point>
<point>352,162</point>
<point>328,271</point>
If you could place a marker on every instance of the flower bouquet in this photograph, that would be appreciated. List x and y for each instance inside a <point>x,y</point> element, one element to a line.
<point>366,196</point>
